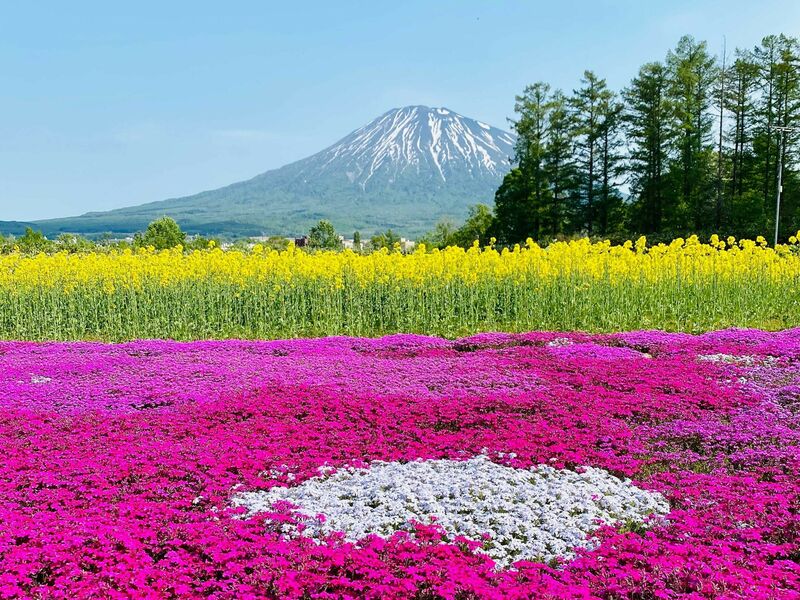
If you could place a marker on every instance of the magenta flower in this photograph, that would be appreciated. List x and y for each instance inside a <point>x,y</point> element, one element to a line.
<point>120,462</point>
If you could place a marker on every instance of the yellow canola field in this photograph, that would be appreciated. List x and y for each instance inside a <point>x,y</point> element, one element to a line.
<point>685,285</point>
<point>681,261</point>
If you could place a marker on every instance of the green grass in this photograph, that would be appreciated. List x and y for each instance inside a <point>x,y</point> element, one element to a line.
<point>212,310</point>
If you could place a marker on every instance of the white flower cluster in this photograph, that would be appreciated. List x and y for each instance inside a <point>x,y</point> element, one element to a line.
<point>730,359</point>
<point>529,514</point>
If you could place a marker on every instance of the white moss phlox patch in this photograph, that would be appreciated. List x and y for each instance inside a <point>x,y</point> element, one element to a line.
<point>530,514</point>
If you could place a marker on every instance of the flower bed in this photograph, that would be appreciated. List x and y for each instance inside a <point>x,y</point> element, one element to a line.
<point>123,463</point>
<point>538,514</point>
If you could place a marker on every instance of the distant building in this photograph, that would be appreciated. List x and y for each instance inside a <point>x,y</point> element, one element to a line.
<point>407,245</point>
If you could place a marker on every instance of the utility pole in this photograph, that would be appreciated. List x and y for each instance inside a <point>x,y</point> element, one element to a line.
<point>785,130</point>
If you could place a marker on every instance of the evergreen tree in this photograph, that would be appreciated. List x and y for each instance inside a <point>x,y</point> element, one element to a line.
<point>610,210</point>
<point>531,127</point>
<point>778,107</point>
<point>789,118</point>
<point>512,213</point>
<point>587,104</point>
<point>766,57</point>
<point>649,126</point>
<point>744,214</point>
<point>559,165</point>
<point>721,90</point>
<point>692,75</point>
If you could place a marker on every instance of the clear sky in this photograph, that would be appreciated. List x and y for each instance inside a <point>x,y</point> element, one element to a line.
<point>107,104</point>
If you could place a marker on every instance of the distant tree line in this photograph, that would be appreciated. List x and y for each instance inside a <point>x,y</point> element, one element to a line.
<point>161,234</point>
<point>165,233</point>
<point>691,145</point>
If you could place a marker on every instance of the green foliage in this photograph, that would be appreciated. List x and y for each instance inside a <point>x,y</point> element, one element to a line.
<point>161,234</point>
<point>533,108</point>
<point>511,208</point>
<point>560,167</point>
<point>441,236</point>
<point>597,119</point>
<point>649,130</point>
<point>692,74</point>
<point>33,241</point>
<point>323,236</point>
<point>199,242</point>
<point>478,227</point>
<point>71,242</point>
<point>387,239</point>
<point>276,242</point>
<point>657,142</point>
<point>569,165</point>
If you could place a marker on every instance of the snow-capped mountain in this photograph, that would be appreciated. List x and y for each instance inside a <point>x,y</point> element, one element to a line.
<point>406,170</point>
<point>415,141</point>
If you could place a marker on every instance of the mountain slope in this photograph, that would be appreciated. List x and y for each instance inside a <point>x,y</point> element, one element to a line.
<point>406,169</point>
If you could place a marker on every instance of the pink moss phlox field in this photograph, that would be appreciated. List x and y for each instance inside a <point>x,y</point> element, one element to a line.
<point>120,461</point>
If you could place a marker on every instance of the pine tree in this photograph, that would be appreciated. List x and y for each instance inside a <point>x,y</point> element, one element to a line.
<point>559,165</point>
<point>777,107</point>
<point>692,73</point>
<point>722,81</point>
<point>649,128</point>
<point>787,142</point>
<point>766,58</point>
<point>610,210</point>
<point>531,127</point>
<point>744,213</point>
<point>511,208</point>
<point>586,103</point>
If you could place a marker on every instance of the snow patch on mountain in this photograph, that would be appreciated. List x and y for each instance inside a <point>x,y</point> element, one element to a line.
<point>415,140</point>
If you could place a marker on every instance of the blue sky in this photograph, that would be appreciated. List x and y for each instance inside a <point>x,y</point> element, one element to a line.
<point>107,104</point>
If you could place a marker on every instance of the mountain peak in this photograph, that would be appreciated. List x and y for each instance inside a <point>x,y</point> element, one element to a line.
<point>442,111</point>
<point>416,141</point>
<point>422,107</point>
